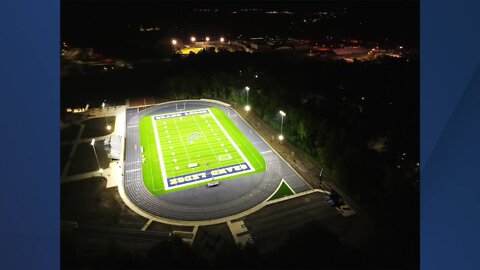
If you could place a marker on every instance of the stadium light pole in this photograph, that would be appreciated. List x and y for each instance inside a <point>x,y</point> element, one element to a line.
<point>96,157</point>
<point>247,107</point>
<point>106,118</point>
<point>174,43</point>
<point>283,114</point>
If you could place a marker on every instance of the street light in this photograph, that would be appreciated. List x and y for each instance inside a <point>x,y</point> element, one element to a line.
<point>281,125</point>
<point>207,39</point>
<point>96,157</point>
<point>192,39</point>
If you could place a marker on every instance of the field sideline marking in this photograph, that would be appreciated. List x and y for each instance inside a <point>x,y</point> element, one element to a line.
<point>247,146</point>
<point>179,134</point>
<point>231,141</point>
<point>149,158</point>
<point>159,149</point>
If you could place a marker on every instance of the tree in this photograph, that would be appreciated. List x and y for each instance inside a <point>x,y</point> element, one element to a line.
<point>303,132</point>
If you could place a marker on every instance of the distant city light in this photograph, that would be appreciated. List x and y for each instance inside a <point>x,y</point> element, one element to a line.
<point>256,76</point>
<point>192,39</point>
<point>401,47</point>
<point>174,41</point>
<point>247,88</point>
<point>207,39</point>
<point>222,39</point>
<point>100,171</point>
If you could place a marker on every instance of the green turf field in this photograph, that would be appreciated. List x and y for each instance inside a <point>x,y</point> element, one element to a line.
<point>283,190</point>
<point>189,148</point>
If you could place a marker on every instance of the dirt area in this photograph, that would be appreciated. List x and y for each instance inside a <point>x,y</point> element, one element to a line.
<point>212,240</point>
<point>69,133</point>
<point>84,158</point>
<point>89,202</point>
<point>96,127</point>
<point>65,151</point>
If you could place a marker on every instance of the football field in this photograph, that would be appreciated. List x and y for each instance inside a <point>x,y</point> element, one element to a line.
<point>190,148</point>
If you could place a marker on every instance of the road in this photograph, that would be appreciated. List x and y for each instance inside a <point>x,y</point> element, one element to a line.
<point>131,236</point>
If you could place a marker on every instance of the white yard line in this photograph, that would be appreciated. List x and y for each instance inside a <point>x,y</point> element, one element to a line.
<point>181,139</point>
<point>209,145</point>
<point>159,152</point>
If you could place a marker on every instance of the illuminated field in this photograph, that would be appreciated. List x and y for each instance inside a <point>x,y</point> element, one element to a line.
<point>194,50</point>
<point>189,50</point>
<point>189,148</point>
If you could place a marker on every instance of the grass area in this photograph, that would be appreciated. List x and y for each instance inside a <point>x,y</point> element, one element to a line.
<point>96,127</point>
<point>69,133</point>
<point>65,151</point>
<point>184,151</point>
<point>189,50</point>
<point>283,191</point>
<point>84,158</point>
<point>89,202</point>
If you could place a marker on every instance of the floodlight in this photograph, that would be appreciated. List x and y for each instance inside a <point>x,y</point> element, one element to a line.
<point>281,137</point>
<point>109,127</point>
<point>192,39</point>
<point>247,88</point>
<point>207,39</point>
<point>222,39</point>
<point>247,108</point>
<point>174,41</point>
<point>282,113</point>
<point>93,142</point>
